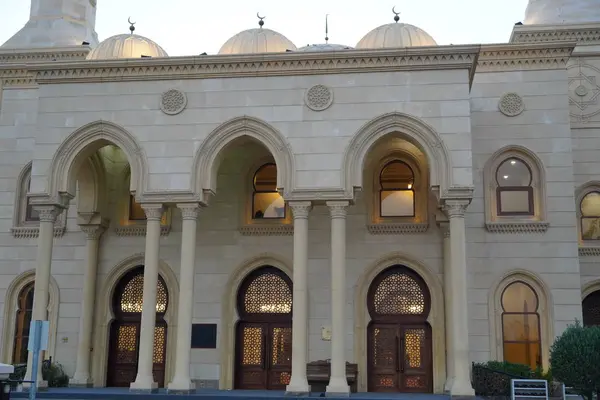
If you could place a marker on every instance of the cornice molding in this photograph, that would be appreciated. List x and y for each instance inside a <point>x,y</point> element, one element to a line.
<point>581,33</point>
<point>269,64</point>
<point>267,230</point>
<point>31,232</point>
<point>43,55</point>
<point>527,56</point>
<point>139,230</point>
<point>397,228</point>
<point>517,227</point>
<point>589,251</point>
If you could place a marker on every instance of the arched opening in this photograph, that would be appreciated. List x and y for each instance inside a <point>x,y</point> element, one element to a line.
<point>521,325</point>
<point>267,203</point>
<point>124,344</point>
<point>514,191</point>
<point>399,350</point>
<point>591,309</point>
<point>396,193</point>
<point>23,320</point>
<point>264,331</point>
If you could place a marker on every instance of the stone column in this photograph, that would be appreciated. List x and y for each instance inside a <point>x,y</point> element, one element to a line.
<point>144,381</point>
<point>298,382</point>
<point>181,382</point>
<point>338,383</point>
<point>458,306</point>
<point>41,291</point>
<point>445,228</point>
<point>82,375</point>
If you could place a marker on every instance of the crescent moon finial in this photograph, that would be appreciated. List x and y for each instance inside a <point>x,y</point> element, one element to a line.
<point>261,22</point>
<point>131,27</point>
<point>396,17</point>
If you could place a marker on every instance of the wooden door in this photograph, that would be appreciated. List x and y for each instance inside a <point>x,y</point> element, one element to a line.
<point>251,349</point>
<point>123,356</point>
<point>279,354</point>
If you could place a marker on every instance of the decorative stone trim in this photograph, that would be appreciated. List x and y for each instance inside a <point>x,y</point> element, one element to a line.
<point>75,53</point>
<point>267,230</point>
<point>318,97</point>
<point>530,56</point>
<point>397,229</point>
<point>574,33</point>
<point>31,232</point>
<point>517,227</point>
<point>511,104</point>
<point>173,101</point>
<point>589,251</point>
<point>139,230</point>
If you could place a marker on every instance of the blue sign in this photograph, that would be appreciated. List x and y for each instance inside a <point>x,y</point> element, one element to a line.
<point>38,341</point>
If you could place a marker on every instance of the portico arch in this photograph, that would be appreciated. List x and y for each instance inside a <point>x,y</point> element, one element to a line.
<point>85,141</point>
<point>229,312</point>
<point>411,129</point>
<point>209,154</point>
<point>435,317</point>
<point>104,315</point>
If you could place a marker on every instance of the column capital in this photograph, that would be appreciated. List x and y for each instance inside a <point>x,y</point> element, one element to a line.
<point>338,209</point>
<point>300,209</point>
<point>93,232</point>
<point>153,212</point>
<point>189,211</point>
<point>48,213</point>
<point>455,208</point>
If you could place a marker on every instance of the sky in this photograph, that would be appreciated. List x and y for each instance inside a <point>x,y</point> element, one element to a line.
<point>191,27</point>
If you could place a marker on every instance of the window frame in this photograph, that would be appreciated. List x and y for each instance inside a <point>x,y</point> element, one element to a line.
<point>412,189</point>
<point>528,188</point>
<point>589,246</point>
<point>255,192</point>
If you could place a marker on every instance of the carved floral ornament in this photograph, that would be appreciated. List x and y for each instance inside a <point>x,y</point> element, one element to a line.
<point>584,90</point>
<point>173,101</point>
<point>511,104</point>
<point>318,97</point>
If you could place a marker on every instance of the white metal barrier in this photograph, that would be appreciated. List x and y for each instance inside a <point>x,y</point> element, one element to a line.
<point>528,389</point>
<point>567,395</point>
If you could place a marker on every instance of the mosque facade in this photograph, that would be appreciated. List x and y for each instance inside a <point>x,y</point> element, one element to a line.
<point>220,221</point>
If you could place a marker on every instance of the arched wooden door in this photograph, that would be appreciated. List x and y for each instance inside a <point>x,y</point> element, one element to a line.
<point>125,330</point>
<point>399,337</point>
<point>591,309</point>
<point>24,314</point>
<point>264,331</point>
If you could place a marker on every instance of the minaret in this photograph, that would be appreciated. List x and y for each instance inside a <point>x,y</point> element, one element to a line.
<point>57,23</point>
<point>562,12</point>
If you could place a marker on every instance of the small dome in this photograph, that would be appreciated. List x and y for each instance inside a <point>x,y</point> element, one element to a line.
<point>126,46</point>
<point>257,40</point>
<point>324,47</point>
<point>395,35</point>
<point>556,12</point>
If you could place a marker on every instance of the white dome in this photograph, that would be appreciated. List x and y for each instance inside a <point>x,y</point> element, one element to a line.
<point>257,40</point>
<point>126,46</point>
<point>324,47</point>
<point>553,12</point>
<point>395,35</point>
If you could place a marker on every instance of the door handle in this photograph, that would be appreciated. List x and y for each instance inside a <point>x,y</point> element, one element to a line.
<point>401,355</point>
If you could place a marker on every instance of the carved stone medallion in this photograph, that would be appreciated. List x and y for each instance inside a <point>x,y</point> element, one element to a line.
<point>511,104</point>
<point>318,97</point>
<point>173,101</point>
<point>584,90</point>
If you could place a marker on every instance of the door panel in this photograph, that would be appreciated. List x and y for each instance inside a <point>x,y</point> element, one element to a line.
<point>251,372</point>
<point>383,353</point>
<point>415,355</point>
<point>159,354</point>
<point>280,356</point>
<point>123,356</point>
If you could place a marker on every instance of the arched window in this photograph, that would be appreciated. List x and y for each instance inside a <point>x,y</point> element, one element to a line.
<point>591,309</point>
<point>396,192</point>
<point>267,203</point>
<point>31,215</point>
<point>23,320</point>
<point>590,216</point>
<point>136,212</point>
<point>514,193</point>
<point>521,325</point>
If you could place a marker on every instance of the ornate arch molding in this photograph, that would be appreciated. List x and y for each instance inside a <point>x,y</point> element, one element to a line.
<point>544,310</point>
<point>209,155</point>
<point>10,309</point>
<point>586,247</point>
<point>536,224</point>
<point>82,143</point>
<point>229,312</point>
<point>590,288</point>
<point>414,130</point>
<point>435,318</point>
<point>104,316</point>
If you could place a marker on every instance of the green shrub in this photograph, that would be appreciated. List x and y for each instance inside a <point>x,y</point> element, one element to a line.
<point>53,373</point>
<point>493,378</point>
<point>575,359</point>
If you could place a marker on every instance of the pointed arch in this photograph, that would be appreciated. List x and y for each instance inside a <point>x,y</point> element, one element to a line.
<point>82,143</point>
<point>10,308</point>
<point>103,315</point>
<point>545,302</point>
<point>413,130</point>
<point>435,318</point>
<point>209,154</point>
<point>229,311</point>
